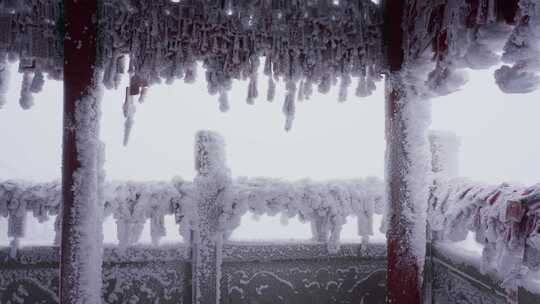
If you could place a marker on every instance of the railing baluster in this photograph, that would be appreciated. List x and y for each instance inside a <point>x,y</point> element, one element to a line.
<point>212,182</point>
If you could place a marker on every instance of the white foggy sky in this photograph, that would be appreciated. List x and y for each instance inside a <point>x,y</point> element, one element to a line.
<point>328,140</point>
<point>499,136</point>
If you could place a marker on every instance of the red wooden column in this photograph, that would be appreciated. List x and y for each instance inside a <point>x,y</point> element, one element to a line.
<point>404,272</point>
<point>80,262</point>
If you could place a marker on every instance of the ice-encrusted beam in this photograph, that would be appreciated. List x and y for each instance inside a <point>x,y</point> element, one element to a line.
<point>81,238</point>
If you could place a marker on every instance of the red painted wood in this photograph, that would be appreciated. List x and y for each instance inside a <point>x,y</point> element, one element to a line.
<point>404,286</point>
<point>507,11</point>
<point>394,17</point>
<point>80,55</point>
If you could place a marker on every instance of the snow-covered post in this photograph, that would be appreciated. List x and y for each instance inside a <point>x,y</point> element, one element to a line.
<point>444,148</point>
<point>81,239</point>
<point>212,182</point>
<point>408,165</point>
<point>444,153</point>
<point>407,176</point>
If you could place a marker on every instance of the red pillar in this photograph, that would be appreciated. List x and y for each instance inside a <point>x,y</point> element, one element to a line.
<point>80,247</point>
<point>403,272</point>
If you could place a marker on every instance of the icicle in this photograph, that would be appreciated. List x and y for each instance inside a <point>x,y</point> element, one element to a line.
<point>26,100</point>
<point>370,84</point>
<point>325,84</point>
<point>361,89</point>
<point>223,101</point>
<point>268,66</point>
<point>120,70</point>
<point>252,90</point>
<point>271,89</point>
<point>289,107</point>
<point>191,74</point>
<point>108,75</point>
<point>345,82</point>
<point>129,115</point>
<point>300,96</point>
<point>37,82</point>
<point>4,79</point>
<point>308,89</point>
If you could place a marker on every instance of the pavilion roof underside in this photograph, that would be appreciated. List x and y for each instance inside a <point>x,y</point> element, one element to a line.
<point>304,43</point>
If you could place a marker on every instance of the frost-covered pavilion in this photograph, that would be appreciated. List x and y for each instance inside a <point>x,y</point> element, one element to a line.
<point>420,49</point>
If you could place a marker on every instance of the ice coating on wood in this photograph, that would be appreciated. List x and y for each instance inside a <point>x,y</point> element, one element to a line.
<point>445,153</point>
<point>86,238</point>
<point>165,39</point>
<point>522,50</point>
<point>212,184</point>
<point>30,35</point>
<point>327,41</point>
<point>324,204</point>
<point>4,78</point>
<point>408,157</point>
<point>130,203</point>
<point>505,219</point>
<point>129,109</point>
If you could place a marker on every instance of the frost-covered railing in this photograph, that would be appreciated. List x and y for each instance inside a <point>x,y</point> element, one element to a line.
<point>209,209</point>
<point>505,218</point>
<point>325,205</point>
<point>131,204</point>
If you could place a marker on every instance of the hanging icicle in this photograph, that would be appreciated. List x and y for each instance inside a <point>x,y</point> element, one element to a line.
<point>37,83</point>
<point>223,101</point>
<point>253,93</point>
<point>129,114</point>
<point>4,79</point>
<point>344,86</point>
<point>289,107</point>
<point>270,95</point>
<point>26,100</point>
<point>522,51</point>
<point>300,96</point>
<point>362,88</point>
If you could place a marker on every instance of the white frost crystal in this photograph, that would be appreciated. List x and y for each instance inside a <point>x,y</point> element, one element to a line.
<point>523,51</point>
<point>129,114</point>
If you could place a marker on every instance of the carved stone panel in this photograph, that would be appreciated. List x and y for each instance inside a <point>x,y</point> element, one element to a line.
<point>450,287</point>
<point>33,278</point>
<point>304,281</point>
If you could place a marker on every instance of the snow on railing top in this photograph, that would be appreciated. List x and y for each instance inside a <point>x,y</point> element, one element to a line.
<point>324,204</point>
<point>505,219</point>
<point>131,204</point>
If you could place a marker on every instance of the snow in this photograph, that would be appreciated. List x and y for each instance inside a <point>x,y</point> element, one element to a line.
<point>87,236</point>
<point>504,218</point>
<point>129,114</point>
<point>4,78</point>
<point>324,204</point>
<point>522,50</point>
<point>408,158</point>
<point>445,153</point>
<point>27,100</point>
